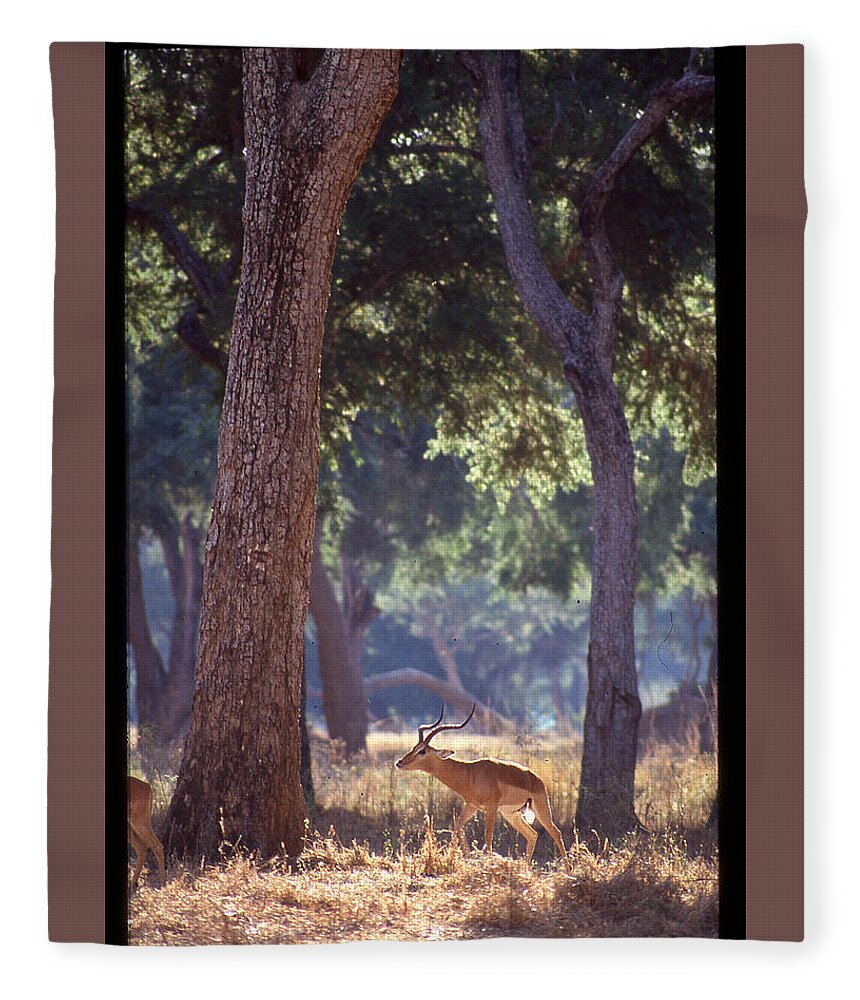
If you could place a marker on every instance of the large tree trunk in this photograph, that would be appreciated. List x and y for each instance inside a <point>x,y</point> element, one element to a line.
<point>585,345</point>
<point>148,665</point>
<point>306,136</point>
<point>339,645</point>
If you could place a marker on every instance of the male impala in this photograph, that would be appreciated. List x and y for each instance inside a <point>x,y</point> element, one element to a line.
<point>486,784</point>
<point>140,832</point>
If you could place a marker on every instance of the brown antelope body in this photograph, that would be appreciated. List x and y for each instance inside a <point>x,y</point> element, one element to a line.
<point>140,833</point>
<point>492,786</point>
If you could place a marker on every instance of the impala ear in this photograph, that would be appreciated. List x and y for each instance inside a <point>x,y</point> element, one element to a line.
<point>445,753</point>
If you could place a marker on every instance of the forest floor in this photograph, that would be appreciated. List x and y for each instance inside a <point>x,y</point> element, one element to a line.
<point>380,863</point>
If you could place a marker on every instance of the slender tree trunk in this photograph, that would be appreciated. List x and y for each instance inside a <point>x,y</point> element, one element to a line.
<point>613,708</point>
<point>240,778</point>
<point>709,732</point>
<point>585,345</point>
<point>185,570</point>
<point>443,652</point>
<point>695,613</point>
<point>359,610</point>
<point>563,727</point>
<point>343,697</point>
<point>148,665</point>
<point>305,767</point>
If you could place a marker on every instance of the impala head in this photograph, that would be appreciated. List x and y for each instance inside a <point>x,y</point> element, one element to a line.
<point>422,753</point>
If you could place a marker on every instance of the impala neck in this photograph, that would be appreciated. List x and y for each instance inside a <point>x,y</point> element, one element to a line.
<point>450,771</point>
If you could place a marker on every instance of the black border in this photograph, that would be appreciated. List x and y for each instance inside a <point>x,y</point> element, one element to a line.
<point>730,243</point>
<point>116,702</point>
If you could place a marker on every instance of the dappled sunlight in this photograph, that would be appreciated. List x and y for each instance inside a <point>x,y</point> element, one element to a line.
<point>380,863</point>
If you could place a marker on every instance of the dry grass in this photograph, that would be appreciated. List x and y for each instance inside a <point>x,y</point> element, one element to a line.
<point>380,863</point>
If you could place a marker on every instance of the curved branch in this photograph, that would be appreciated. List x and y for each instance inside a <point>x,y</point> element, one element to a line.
<point>190,331</point>
<point>455,696</point>
<point>605,273</point>
<point>577,338</point>
<point>178,246</point>
<point>207,289</point>
<point>536,141</point>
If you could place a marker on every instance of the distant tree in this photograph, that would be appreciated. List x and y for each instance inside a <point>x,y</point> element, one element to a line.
<point>309,121</point>
<point>341,625</point>
<point>173,414</point>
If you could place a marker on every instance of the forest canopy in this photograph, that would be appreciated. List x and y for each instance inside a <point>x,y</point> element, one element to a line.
<point>455,501</point>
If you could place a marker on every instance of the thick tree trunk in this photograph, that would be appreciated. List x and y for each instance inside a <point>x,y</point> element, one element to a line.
<point>339,657</point>
<point>240,776</point>
<point>148,665</point>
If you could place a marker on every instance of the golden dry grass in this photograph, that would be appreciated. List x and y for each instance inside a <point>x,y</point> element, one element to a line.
<point>380,864</point>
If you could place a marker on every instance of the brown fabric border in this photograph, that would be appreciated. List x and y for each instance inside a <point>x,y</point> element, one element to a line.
<point>776,213</point>
<point>76,689</point>
<point>76,713</point>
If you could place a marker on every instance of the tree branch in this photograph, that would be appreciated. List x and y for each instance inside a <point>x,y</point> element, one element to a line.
<point>536,141</point>
<point>207,289</point>
<point>177,245</point>
<point>460,699</point>
<point>505,154</point>
<point>190,331</point>
<point>604,270</point>
<point>577,338</point>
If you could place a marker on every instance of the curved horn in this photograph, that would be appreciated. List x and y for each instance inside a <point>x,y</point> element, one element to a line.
<point>451,725</point>
<point>423,729</point>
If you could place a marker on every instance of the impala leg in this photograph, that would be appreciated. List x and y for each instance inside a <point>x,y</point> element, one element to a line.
<point>491,809</point>
<point>519,824</point>
<point>140,850</point>
<point>158,851</point>
<point>141,839</point>
<point>543,811</point>
<point>466,813</point>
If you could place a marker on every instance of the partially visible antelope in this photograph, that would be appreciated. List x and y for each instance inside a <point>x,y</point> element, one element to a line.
<point>140,833</point>
<point>487,784</point>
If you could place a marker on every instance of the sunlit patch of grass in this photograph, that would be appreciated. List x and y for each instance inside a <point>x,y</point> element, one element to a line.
<point>380,861</point>
<point>648,887</point>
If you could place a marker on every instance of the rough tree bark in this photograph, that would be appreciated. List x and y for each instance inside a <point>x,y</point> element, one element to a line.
<point>341,628</point>
<point>306,136</point>
<point>585,345</point>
